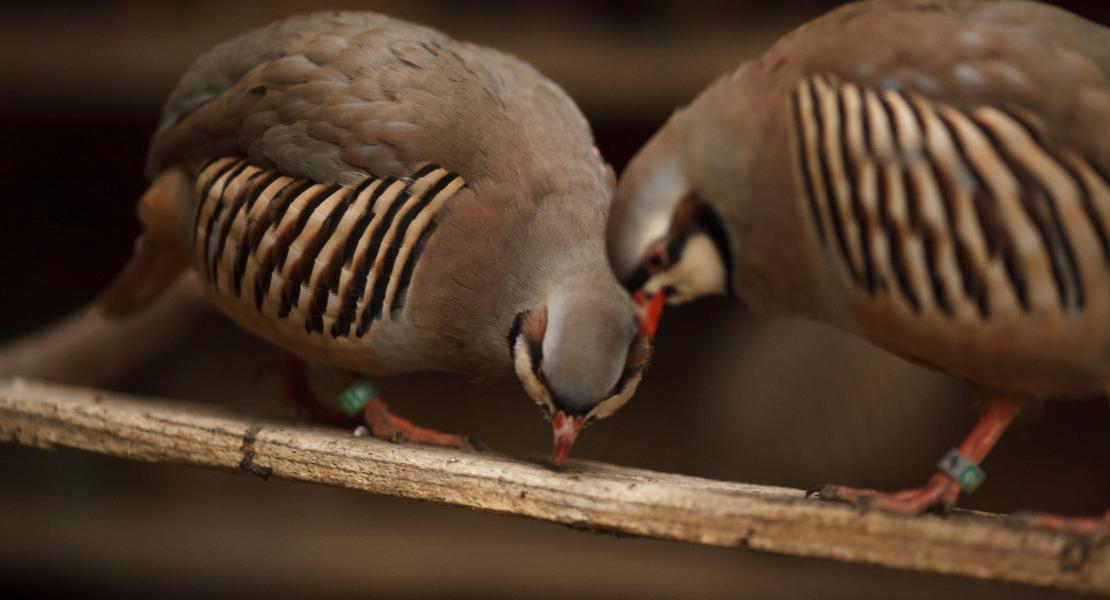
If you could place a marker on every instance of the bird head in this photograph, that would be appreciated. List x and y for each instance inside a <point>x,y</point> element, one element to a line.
<point>665,240</point>
<point>579,356</point>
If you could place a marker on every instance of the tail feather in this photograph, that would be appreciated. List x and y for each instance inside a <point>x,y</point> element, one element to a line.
<point>158,260</point>
<point>150,271</point>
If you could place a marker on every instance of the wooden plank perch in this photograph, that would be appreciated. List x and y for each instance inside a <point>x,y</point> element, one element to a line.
<point>583,495</point>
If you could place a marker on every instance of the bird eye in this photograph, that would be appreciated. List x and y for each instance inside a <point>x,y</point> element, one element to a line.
<point>656,258</point>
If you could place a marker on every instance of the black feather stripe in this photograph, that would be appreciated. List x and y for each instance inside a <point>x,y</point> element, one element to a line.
<point>204,164</point>
<point>1062,236</point>
<point>824,176</point>
<point>362,264</point>
<point>274,215</point>
<point>423,172</point>
<point>291,290</point>
<point>246,190</point>
<point>347,253</point>
<point>991,223</point>
<point>1089,209</point>
<point>218,212</point>
<point>1052,202</point>
<point>374,306</point>
<point>409,267</point>
<point>206,191</point>
<point>1076,179</point>
<point>895,243</point>
<point>1035,210</point>
<point>407,270</point>
<point>245,246</point>
<point>806,169</point>
<point>328,281</point>
<point>301,272</point>
<point>947,193</point>
<point>863,223</point>
<point>929,241</point>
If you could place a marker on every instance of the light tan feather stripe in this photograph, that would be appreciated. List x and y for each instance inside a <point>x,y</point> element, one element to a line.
<point>1067,189</point>
<point>997,216</point>
<point>215,170</point>
<point>807,154</point>
<point>389,198</point>
<point>922,202</point>
<point>1035,203</point>
<point>881,156</point>
<point>339,251</point>
<point>1095,196</point>
<point>274,234</point>
<point>261,190</point>
<point>305,241</point>
<point>849,104</point>
<point>209,244</point>
<point>827,117</point>
<point>355,249</point>
<point>390,244</point>
<point>945,202</point>
<point>236,189</point>
<point>416,237</point>
<point>942,167</point>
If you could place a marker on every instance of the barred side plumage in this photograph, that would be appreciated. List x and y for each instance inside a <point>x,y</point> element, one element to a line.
<point>935,202</point>
<point>330,255</point>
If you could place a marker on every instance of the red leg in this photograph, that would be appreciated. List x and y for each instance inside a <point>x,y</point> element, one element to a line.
<point>942,489</point>
<point>387,426</point>
<point>297,394</point>
<point>1083,526</point>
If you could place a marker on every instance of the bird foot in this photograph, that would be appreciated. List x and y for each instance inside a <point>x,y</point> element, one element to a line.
<point>297,394</point>
<point>939,494</point>
<point>387,426</point>
<point>1093,528</point>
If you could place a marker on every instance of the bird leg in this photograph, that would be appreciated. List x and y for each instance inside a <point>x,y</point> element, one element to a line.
<point>361,398</point>
<point>1092,527</point>
<point>959,469</point>
<point>385,425</point>
<point>297,394</point>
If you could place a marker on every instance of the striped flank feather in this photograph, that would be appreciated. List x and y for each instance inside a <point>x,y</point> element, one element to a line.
<point>337,259</point>
<point>951,211</point>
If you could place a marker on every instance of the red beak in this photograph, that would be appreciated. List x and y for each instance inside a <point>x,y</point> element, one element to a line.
<point>648,310</point>
<point>565,430</point>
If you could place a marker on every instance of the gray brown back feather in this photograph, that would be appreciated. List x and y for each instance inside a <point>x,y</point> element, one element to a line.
<point>340,97</point>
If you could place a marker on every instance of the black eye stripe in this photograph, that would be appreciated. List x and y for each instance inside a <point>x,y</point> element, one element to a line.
<point>710,222</point>
<point>675,246</point>
<point>535,351</point>
<point>514,333</point>
<point>535,354</point>
<point>637,280</point>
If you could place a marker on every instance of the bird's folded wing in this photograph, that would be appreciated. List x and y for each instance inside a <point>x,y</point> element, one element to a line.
<point>333,97</point>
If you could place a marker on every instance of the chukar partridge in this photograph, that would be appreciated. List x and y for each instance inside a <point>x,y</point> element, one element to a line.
<point>374,196</point>
<point>932,175</point>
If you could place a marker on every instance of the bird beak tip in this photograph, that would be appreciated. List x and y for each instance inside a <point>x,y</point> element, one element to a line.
<point>565,430</point>
<point>648,311</point>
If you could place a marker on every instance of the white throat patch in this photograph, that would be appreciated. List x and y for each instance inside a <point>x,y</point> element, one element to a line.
<point>699,272</point>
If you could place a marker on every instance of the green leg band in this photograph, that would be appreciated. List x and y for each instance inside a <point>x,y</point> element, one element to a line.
<point>354,399</point>
<point>959,467</point>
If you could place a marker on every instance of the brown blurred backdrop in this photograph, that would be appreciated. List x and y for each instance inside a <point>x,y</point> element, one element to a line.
<point>729,395</point>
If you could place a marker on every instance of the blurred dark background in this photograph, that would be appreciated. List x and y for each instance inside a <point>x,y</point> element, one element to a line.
<point>729,396</point>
